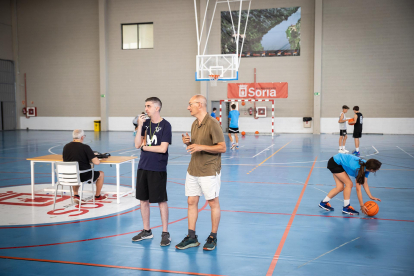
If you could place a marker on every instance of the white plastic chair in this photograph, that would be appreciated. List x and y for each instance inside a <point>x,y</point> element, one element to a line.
<point>68,174</point>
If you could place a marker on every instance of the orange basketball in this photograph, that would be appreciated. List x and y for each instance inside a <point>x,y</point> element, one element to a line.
<point>351,122</point>
<point>243,133</point>
<point>372,208</point>
<point>218,119</point>
<point>256,132</point>
<point>243,103</point>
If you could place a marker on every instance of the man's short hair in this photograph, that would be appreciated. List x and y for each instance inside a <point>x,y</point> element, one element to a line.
<point>155,100</point>
<point>345,107</point>
<point>214,109</point>
<point>78,134</point>
<point>233,106</point>
<point>356,108</point>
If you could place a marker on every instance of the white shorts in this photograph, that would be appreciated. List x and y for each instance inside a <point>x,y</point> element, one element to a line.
<point>199,185</point>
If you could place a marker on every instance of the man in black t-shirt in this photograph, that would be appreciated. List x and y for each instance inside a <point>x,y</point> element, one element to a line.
<point>154,139</point>
<point>358,118</point>
<point>83,154</point>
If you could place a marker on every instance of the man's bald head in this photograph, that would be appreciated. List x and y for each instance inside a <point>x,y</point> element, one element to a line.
<point>201,99</point>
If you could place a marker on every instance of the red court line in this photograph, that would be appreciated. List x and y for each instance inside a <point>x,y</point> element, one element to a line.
<point>307,215</point>
<point>285,234</point>
<point>108,266</point>
<point>99,238</point>
<point>72,222</point>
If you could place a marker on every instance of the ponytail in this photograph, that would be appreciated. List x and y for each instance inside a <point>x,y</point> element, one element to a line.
<point>361,173</point>
<point>371,164</point>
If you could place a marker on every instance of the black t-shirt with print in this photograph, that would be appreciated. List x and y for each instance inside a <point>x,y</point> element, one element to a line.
<point>76,151</point>
<point>156,134</point>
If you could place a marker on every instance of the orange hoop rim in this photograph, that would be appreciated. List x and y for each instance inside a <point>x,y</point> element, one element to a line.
<point>215,77</point>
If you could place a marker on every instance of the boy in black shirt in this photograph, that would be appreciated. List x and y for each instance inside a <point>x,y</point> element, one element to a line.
<point>358,118</point>
<point>83,154</point>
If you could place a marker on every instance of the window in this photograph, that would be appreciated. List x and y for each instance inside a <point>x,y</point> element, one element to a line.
<point>137,36</point>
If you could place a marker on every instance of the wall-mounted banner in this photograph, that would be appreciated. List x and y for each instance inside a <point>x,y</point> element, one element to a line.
<point>264,90</point>
<point>270,32</point>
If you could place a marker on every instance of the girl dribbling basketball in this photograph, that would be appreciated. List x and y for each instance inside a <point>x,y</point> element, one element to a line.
<point>342,167</point>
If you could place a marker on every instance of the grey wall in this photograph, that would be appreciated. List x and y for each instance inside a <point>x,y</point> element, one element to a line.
<point>167,71</point>
<point>368,57</point>
<point>59,52</point>
<point>297,71</point>
<point>6,40</point>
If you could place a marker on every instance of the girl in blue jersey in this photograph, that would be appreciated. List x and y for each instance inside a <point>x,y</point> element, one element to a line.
<point>342,166</point>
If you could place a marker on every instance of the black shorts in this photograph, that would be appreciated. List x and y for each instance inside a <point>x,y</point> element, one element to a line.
<point>151,186</point>
<point>88,175</point>
<point>342,132</point>
<point>233,130</point>
<point>357,134</point>
<point>334,167</point>
<point>136,125</point>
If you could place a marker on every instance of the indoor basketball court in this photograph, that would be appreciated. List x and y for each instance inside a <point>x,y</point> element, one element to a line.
<point>293,72</point>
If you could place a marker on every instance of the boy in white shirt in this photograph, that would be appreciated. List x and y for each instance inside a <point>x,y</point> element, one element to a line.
<point>342,129</point>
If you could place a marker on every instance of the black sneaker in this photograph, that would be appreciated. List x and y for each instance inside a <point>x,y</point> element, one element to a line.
<point>143,235</point>
<point>210,244</point>
<point>187,242</point>
<point>165,239</point>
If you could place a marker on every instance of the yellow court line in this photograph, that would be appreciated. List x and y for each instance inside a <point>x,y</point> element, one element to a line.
<point>268,158</point>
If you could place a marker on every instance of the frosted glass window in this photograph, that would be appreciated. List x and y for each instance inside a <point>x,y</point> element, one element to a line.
<point>146,36</point>
<point>130,36</point>
<point>138,36</point>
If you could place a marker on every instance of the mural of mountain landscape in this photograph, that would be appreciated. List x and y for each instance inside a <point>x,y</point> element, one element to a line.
<point>270,32</point>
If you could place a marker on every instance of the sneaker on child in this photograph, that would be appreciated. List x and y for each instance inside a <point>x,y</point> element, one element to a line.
<point>349,210</point>
<point>326,206</point>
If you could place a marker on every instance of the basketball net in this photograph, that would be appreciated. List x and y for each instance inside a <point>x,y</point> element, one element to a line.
<point>213,79</point>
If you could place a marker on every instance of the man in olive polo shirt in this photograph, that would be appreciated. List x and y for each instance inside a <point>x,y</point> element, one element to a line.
<point>204,171</point>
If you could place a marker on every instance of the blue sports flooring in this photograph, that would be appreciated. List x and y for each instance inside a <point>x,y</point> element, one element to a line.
<point>270,222</point>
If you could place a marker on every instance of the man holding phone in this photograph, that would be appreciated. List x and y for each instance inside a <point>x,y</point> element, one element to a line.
<point>154,139</point>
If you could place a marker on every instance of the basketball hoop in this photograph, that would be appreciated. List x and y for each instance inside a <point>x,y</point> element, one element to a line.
<point>213,79</point>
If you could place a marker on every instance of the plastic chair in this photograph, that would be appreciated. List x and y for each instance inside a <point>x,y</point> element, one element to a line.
<point>68,174</point>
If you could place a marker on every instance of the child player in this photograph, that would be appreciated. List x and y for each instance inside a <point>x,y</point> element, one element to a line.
<point>342,167</point>
<point>234,126</point>
<point>357,129</point>
<point>342,129</point>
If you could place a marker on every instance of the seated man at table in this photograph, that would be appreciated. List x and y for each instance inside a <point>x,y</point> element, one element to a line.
<point>83,154</point>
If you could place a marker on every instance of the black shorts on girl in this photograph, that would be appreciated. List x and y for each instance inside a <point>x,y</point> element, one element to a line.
<point>334,167</point>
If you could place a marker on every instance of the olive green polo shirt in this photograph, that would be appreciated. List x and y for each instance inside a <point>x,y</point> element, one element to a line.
<point>208,133</point>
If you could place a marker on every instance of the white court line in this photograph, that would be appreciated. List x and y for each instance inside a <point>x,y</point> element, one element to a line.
<point>263,150</point>
<point>405,151</point>
<point>328,252</point>
<point>128,151</point>
<point>50,149</point>
<point>372,153</point>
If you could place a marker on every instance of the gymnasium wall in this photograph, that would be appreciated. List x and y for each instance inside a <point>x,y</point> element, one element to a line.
<point>367,60</point>
<point>166,71</point>
<point>6,45</point>
<point>365,57</point>
<point>59,51</point>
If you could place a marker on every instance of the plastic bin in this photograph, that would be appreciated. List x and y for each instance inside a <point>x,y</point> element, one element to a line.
<point>97,125</point>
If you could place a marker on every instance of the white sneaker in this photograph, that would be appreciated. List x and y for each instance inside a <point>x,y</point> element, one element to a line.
<point>345,151</point>
<point>233,146</point>
<point>341,151</point>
